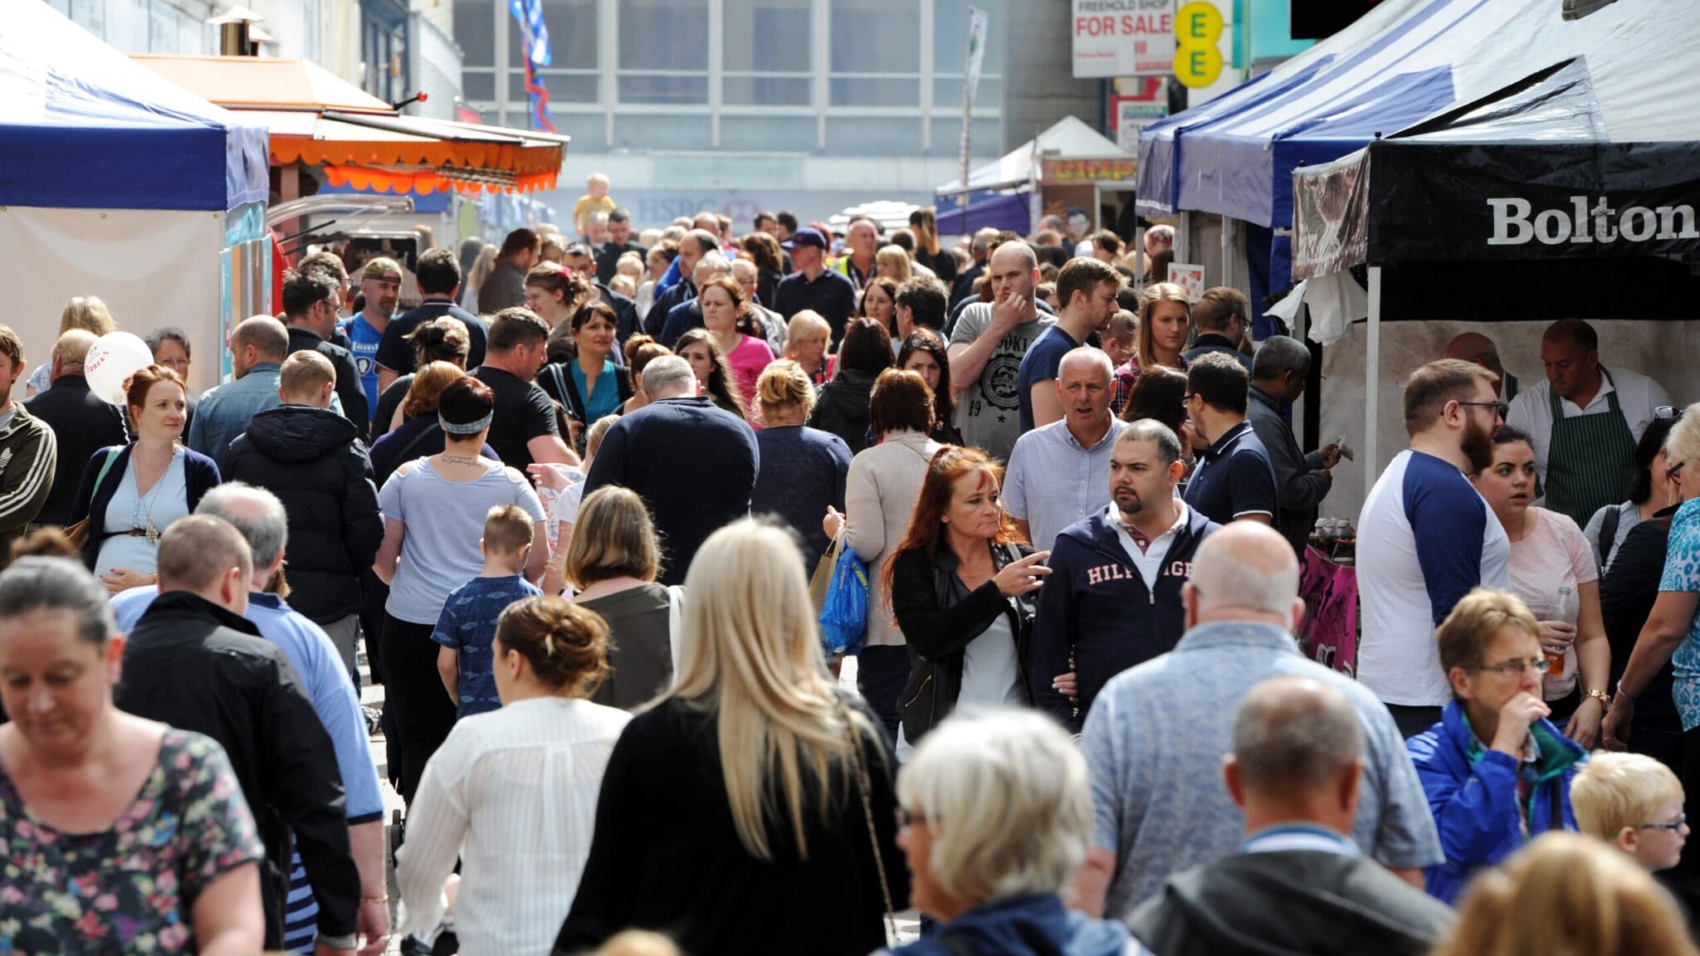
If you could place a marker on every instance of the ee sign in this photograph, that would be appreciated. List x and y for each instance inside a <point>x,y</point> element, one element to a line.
<point>1124,38</point>
<point>1198,59</point>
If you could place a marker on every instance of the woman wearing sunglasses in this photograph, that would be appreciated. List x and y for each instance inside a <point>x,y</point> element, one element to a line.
<point>1495,770</point>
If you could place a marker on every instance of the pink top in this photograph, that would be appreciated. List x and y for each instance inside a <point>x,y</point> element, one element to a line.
<point>747,361</point>
<point>1554,555</point>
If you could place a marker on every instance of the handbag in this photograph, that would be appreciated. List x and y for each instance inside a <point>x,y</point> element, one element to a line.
<point>78,532</point>
<point>864,788</point>
<point>844,616</point>
<point>821,580</point>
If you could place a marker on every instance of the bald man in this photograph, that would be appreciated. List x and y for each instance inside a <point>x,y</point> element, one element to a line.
<point>1478,348</point>
<point>258,346</point>
<point>1298,883</point>
<point>1154,739</point>
<point>987,346</point>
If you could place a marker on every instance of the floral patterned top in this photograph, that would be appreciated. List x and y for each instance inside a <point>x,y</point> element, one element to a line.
<point>129,888</point>
<point>1682,573</point>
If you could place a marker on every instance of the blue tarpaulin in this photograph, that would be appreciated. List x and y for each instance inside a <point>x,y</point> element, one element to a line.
<point>82,126</point>
<point>996,211</point>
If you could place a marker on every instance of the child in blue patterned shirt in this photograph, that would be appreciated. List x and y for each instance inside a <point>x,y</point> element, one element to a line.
<point>467,627</point>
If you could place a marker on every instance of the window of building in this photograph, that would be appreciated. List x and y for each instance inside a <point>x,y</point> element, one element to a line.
<point>663,52</point>
<point>766,54</point>
<point>876,53</point>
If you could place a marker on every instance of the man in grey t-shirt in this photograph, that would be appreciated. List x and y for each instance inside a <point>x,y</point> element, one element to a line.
<point>986,348</point>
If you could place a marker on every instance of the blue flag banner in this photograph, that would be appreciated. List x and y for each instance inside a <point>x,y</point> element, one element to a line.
<point>529,14</point>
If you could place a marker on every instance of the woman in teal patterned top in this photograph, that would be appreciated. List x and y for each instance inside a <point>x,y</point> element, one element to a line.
<point>121,834</point>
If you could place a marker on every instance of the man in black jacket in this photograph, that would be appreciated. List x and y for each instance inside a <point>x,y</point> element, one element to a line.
<point>82,421</point>
<point>311,298</point>
<point>311,458</point>
<point>1113,600</point>
<point>1299,883</point>
<point>194,662</point>
<point>1301,480</point>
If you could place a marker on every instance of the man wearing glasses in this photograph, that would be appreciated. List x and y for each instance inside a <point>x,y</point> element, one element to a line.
<point>1584,421</point>
<point>1426,538</point>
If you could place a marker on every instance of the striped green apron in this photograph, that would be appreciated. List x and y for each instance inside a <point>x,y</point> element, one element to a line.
<point>1590,459</point>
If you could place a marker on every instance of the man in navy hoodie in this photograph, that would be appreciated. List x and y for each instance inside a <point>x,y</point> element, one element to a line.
<point>1113,599</point>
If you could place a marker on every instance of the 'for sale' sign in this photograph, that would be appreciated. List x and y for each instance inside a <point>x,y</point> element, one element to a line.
<point>1123,37</point>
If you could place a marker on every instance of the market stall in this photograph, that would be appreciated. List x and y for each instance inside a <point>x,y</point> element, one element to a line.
<point>1570,192</point>
<point>1068,166</point>
<point>119,184</point>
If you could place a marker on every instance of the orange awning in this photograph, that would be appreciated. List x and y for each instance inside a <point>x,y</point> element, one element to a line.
<point>318,119</point>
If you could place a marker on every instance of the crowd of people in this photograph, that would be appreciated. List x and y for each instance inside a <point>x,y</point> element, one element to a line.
<point>574,504</point>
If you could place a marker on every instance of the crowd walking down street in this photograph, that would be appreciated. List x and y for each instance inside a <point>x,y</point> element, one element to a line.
<point>881,584</point>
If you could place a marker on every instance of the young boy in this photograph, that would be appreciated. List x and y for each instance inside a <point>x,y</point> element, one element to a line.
<point>1634,802</point>
<point>597,200</point>
<point>467,627</point>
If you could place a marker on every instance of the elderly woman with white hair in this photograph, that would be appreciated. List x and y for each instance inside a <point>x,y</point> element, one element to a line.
<point>996,816</point>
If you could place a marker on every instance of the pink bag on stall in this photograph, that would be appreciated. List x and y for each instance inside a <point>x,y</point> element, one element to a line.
<point>1329,632</point>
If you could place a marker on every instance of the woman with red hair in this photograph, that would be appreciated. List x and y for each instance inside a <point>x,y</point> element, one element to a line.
<point>961,584</point>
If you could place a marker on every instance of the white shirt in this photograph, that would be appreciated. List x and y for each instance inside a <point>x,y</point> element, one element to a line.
<point>1426,537</point>
<point>1637,396</point>
<point>512,794</point>
<point>1149,562</point>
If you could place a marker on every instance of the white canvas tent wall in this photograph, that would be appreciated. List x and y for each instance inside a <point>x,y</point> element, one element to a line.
<point>116,183</point>
<point>1638,128</point>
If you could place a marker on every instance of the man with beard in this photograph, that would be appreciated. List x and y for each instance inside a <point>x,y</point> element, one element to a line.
<point>1113,600</point>
<point>1426,538</point>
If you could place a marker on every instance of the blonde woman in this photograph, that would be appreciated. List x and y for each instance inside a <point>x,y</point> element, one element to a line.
<point>745,806</point>
<point>1568,893</point>
<point>806,339</point>
<point>892,262</point>
<point>805,467</point>
<point>1165,321</point>
<point>475,276</point>
<point>86,312</point>
<point>923,223</point>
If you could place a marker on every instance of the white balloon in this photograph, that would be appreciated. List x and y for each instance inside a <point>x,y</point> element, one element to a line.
<point>113,358</point>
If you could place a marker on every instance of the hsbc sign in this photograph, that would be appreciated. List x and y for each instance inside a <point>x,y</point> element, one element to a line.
<point>1587,220</point>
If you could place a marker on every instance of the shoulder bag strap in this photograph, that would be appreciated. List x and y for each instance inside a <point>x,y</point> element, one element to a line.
<point>105,467</point>
<point>675,623</point>
<point>1608,531</point>
<point>864,786</point>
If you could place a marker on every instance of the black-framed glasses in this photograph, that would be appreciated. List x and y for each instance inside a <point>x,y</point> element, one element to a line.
<point>1515,669</point>
<point>1667,411</point>
<point>908,818</point>
<point>1674,826</point>
<point>1674,470</point>
<point>1500,407</point>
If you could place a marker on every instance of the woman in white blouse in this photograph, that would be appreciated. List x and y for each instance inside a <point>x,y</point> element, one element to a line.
<point>512,793</point>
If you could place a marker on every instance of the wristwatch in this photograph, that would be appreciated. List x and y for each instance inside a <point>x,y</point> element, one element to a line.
<point>1601,696</point>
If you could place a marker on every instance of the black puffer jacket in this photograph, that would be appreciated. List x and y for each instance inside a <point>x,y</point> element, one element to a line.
<point>841,407</point>
<point>312,460</point>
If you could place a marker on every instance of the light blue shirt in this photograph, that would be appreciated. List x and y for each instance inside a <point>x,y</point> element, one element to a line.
<point>445,520</point>
<point>164,503</point>
<point>1054,481</point>
<point>319,665</point>
<point>225,410</point>
<point>1154,742</point>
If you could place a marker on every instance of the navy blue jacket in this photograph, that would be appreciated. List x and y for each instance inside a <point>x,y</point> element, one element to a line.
<point>200,474</point>
<point>1095,611</point>
<point>694,465</point>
